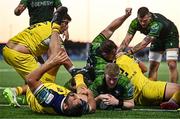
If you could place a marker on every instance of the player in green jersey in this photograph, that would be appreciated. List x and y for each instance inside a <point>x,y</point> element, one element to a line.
<point>163,36</point>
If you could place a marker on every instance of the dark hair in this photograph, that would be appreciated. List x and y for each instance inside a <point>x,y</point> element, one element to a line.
<point>107,46</point>
<point>76,110</point>
<point>142,11</point>
<point>67,16</point>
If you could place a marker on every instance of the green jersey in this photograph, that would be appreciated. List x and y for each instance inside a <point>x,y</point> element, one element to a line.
<point>122,91</point>
<point>95,59</point>
<point>161,28</point>
<point>40,10</point>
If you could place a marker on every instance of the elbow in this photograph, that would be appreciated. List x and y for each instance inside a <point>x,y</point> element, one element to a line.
<point>128,105</point>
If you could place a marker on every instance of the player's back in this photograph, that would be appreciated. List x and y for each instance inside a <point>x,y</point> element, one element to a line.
<point>130,68</point>
<point>35,38</point>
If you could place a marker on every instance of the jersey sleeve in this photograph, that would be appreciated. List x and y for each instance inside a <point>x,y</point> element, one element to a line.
<point>133,27</point>
<point>128,88</point>
<point>94,87</point>
<point>24,2</point>
<point>98,41</point>
<point>155,29</point>
<point>57,3</point>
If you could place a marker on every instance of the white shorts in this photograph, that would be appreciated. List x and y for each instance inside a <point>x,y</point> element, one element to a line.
<point>171,55</point>
<point>155,56</point>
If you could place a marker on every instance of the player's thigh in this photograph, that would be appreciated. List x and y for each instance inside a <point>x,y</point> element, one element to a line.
<point>153,92</point>
<point>22,63</point>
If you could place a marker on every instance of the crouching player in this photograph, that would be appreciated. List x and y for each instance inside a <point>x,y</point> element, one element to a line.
<point>54,99</point>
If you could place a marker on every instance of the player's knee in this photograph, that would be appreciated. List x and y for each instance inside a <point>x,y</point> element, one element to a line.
<point>172,65</point>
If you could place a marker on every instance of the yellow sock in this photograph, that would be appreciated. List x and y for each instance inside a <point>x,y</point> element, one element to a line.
<point>79,80</point>
<point>176,97</point>
<point>19,90</point>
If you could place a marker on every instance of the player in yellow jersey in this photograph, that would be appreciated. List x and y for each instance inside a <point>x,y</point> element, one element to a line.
<point>54,99</point>
<point>22,50</point>
<point>147,92</point>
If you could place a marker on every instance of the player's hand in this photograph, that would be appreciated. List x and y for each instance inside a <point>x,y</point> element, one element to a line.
<point>128,11</point>
<point>118,54</point>
<point>59,58</point>
<point>111,100</point>
<point>84,91</point>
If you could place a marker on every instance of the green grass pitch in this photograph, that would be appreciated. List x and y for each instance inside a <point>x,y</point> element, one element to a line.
<point>9,78</point>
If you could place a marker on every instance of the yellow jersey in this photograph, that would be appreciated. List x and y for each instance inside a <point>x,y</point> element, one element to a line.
<point>130,68</point>
<point>36,38</point>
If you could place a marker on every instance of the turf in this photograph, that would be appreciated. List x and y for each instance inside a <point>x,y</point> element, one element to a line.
<point>9,78</point>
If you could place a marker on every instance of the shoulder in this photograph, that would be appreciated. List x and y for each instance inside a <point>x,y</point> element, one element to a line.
<point>134,22</point>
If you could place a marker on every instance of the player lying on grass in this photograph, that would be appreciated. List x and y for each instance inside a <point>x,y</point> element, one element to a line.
<point>22,50</point>
<point>147,92</point>
<point>54,99</point>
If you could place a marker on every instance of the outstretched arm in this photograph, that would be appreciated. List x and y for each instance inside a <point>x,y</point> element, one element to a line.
<point>109,30</point>
<point>19,9</point>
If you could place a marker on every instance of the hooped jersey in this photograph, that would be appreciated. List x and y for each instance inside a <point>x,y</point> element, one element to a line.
<point>48,99</point>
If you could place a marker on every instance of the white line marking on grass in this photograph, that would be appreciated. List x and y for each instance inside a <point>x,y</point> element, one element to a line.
<point>7,105</point>
<point>155,110</point>
<point>2,88</point>
<point>7,70</point>
<point>150,110</point>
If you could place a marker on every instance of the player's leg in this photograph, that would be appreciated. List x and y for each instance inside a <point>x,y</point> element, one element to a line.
<point>172,96</point>
<point>172,57</point>
<point>172,47</point>
<point>23,64</point>
<point>154,62</point>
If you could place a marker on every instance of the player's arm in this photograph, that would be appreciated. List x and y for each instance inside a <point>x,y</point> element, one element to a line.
<point>109,30</point>
<point>33,79</point>
<point>19,9</point>
<point>125,42</point>
<point>90,99</point>
<point>128,104</point>
<point>56,43</point>
<point>141,45</point>
<point>142,66</point>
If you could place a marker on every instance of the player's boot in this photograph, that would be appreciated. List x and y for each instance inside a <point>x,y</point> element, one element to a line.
<point>22,100</point>
<point>10,96</point>
<point>169,105</point>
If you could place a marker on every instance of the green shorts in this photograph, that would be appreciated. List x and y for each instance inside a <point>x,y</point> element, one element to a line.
<point>171,41</point>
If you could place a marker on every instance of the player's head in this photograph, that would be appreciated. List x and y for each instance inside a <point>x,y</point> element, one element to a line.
<point>62,18</point>
<point>144,16</point>
<point>111,74</point>
<point>73,105</point>
<point>108,50</point>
